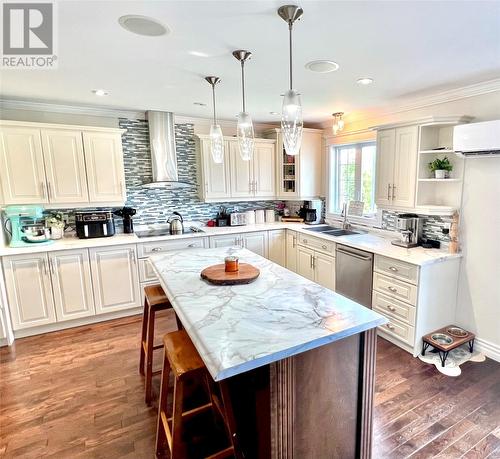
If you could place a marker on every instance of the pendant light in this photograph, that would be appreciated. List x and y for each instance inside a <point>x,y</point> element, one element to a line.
<point>291,115</point>
<point>245,124</point>
<point>338,122</point>
<point>216,137</point>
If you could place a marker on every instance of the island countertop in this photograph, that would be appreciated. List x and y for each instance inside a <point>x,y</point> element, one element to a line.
<point>238,328</point>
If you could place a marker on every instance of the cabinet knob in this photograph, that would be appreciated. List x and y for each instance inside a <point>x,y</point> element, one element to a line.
<point>324,247</point>
<point>304,241</point>
<point>156,249</point>
<point>389,326</point>
<point>192,245</point>
<point>393,269</point>
<point>391,308</point>
<point>392,289</point>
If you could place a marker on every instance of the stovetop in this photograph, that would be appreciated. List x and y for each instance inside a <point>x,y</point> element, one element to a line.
<point>166,232</point>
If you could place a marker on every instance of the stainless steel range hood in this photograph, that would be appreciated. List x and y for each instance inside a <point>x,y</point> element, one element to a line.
<point>163,154</point>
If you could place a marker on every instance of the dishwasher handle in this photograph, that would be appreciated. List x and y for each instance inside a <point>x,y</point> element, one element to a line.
<point>354,254</point>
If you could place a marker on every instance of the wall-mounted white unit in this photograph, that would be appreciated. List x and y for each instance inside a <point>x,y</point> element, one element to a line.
<point>477,139</point>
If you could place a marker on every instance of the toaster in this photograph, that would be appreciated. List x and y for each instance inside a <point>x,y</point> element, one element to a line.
<point>94,224</point>
<point>238,219</point>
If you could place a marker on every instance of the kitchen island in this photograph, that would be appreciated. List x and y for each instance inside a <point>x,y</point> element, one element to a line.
<point>296,359</point>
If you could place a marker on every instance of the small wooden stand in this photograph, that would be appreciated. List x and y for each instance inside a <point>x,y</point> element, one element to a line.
<point>455,340</point>
<point>217,274</point>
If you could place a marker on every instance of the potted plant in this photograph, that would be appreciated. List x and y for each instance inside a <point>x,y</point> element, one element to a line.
<point>441,167</point>
<point>55,223</point>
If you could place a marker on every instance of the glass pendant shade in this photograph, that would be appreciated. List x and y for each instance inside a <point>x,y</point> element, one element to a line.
<point>245,136</point>
<point>216,144</point>
<point>291,122</point>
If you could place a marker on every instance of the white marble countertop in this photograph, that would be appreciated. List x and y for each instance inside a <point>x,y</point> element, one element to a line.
<point>371,242</point>
<point>238,328</point>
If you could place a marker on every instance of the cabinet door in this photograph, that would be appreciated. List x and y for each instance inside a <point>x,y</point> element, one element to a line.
<point>241,173</point>
<point>71,284</point>
<point>256,242</point>
<point>64,166</point>
<point>309,172</point>
<point>386,147</point>
<point>263,166</point>
<point>277,246</point>
<point>405,167</point>
<point>216,177</point>
<point>115,278</point>
<point>291,250</point>
<point>229,240</point>
<point>305,262</point>
<point>22,175</point>
<point>104,162</point>
<point>324,270</point>
<point>29,290</point>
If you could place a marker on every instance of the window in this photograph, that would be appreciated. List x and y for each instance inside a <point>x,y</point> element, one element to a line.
<point>352,177</point>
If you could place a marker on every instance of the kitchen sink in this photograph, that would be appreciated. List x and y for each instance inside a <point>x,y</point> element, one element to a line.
<point>332,231</point>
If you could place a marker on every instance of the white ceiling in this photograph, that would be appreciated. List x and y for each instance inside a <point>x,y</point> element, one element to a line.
<point>409,48</point>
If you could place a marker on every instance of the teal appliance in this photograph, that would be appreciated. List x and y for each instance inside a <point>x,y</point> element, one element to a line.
<point>27,226</point>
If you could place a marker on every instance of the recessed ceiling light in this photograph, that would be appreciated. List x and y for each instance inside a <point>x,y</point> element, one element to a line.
<point>198,54</point>
<point>273,113</point>
<point>364,81</point>
<point>322,66</point>
<point>143,25</point>
<point>100,92</point>
<point>200,104</point>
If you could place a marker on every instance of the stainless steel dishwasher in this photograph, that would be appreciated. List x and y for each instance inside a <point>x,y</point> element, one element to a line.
<point>354,274</point>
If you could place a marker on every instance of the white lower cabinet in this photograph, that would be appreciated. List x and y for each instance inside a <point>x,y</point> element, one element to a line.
<point>29,290</point>
<point>277,246</point>
<point>316,266</point>
<point>227,240</point>
<point>255,241</point>
<point>71,284</point>
<point>291,250</point>
<point>115,278</point>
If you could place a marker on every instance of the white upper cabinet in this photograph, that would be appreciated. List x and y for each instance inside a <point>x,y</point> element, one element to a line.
<point>64,166</point>
<point>104,161</point>
<point>22,173</point>
<point>396,167</point>
<point>241,173</point>
<point>215,177</point>
<point>263,169</point>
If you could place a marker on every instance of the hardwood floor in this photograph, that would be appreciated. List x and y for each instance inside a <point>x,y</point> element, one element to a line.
<point>78,394</point>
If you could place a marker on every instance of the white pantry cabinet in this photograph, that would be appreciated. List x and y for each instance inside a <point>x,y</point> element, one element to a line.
<point>22,173</point>
<point>396,167</point>
<point>277,246</point>
<point>115,278</point>
<point>29,290</point>
<point>104,161</point>
<point>71,284</point>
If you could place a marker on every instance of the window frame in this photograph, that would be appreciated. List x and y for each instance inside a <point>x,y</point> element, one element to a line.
<point>368,220</point>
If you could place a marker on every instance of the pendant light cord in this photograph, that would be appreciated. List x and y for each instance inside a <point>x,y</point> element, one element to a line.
<point>243,83</point>
<point>290,25</point>
<point>213,99</point>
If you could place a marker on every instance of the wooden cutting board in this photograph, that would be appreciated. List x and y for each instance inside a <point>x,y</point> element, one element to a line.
<point>217,275</point>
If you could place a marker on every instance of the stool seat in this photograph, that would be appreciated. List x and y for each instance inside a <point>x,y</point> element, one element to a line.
<point>156,298</point>
<point>182,354</point>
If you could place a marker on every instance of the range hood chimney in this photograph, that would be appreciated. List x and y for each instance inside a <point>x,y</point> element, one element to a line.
<point>163,154</point>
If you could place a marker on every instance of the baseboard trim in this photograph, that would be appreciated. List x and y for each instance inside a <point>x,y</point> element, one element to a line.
<point>23,333</point>
<point>489,349</point>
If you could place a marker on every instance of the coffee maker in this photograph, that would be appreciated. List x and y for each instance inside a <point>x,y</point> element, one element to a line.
<point>311,212</point>
<point>409,227</point>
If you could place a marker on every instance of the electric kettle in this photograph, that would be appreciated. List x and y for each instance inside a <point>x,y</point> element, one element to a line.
<point>176,223</point>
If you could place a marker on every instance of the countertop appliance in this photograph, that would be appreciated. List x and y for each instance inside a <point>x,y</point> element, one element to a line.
<point>409,227</point>
<point>354,274</point>
<point>176,223</point>
<point>477,139</point>
<point>237,219</point>
<point>94,224</point>
<point>126,213</point>
<point>27,226</point>
<point>222,218</point>
<point>311,212</point>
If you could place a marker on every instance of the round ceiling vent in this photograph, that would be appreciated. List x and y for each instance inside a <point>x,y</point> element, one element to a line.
<point>143,25</point>
<point>322,66</point>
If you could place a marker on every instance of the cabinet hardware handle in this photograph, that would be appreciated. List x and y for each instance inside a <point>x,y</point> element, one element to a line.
<point>49,191</point>
<point>294,242</point>
<point>255,186</point>
<point>192,245</point>
<point>44,192</point>
<point>393,269</point>
<point>389,326</point>
<point>52,267</point>
<point>391,308</point>
<point>206,187</point>
<point>156,249</point>
<point>392,289</point>
<point>393,191</point>
<point>45,267</point>
<point>311,263</point>
<point>388,191</point>
<point>132,254</point>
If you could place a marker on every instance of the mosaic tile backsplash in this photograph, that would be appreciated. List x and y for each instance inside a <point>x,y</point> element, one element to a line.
<point>432,229</point>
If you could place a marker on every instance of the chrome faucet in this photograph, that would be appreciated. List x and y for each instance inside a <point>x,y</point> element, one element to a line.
<point>345,223</point>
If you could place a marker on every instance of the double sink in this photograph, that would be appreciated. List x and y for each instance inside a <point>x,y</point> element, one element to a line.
<point>332,231</point>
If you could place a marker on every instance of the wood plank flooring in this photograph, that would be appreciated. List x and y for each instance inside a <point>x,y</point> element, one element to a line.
<point>78,394</point>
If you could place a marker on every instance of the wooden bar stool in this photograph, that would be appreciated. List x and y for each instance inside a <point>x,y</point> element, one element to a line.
<point>185,363</point>
<point>154,300</point>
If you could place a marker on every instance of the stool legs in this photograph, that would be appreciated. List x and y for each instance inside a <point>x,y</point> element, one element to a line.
<point>177,447</point>
<point>145,317</point>
<point>161,436</point>
<point>149,356</point>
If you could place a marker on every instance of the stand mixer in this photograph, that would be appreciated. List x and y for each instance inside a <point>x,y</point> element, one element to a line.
<point>25,228</point>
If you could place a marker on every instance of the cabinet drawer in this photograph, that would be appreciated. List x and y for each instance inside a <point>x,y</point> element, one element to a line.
<point>395,288</point>
<point>146,271</point>
<point>396,268</point>
<point>393,308</point>
<point>399,330</point>
<point>321,245</point>
<point>150,248</point>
